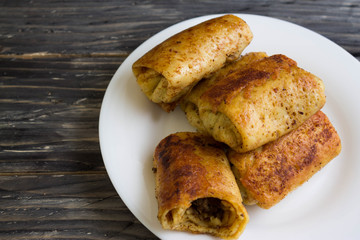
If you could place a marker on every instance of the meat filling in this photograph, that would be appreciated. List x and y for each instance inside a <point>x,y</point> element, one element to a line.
<point>210,213</point>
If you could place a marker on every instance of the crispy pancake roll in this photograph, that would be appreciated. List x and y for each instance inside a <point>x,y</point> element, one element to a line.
<point>190,102</point>
<point>267,174</point>
<point>195,187</point>
<point>169,71</point>
<point>258,103</point>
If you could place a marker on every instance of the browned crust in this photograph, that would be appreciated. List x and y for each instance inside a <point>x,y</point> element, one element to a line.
<point>246,78</point>
<point>272,171</point>
<point>259,102</point>
<point>187,57</point>
<point>189,166</point>
<point>190,103</point>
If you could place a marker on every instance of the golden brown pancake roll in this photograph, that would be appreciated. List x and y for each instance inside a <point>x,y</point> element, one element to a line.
<point>190,103</point>
<point>168,71</point>
<point>255,104</point>
<point>267,174</point>
<point>195,187</point>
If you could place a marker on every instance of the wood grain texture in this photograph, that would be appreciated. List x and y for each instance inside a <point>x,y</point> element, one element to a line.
<point>49,113</point>
<point>89,27</point>
<point>56,60</point>
<point>65,206</point>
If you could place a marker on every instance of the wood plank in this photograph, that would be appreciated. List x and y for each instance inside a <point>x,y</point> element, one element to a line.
<point>67,206</point>
<point>118,27</point>
<point>50,111</point>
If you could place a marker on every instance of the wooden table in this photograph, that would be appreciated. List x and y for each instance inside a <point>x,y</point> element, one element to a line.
<point>56,60</point>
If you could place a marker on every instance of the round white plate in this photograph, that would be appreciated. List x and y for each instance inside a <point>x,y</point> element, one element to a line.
<point>325,207</point>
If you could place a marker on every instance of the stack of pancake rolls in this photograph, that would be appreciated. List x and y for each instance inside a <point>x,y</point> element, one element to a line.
<point>260,129</point>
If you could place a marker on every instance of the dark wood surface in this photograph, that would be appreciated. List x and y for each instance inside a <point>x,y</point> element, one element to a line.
<point>56,60</point>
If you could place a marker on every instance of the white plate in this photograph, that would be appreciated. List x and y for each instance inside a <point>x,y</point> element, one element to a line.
<point>326,207</point>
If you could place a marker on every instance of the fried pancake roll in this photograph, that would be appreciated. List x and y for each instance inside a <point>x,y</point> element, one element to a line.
<point>267,174</point>
<point>257,103</point>
<point>195,187</point>
<point>191,101</point>
<point>169,71</point>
